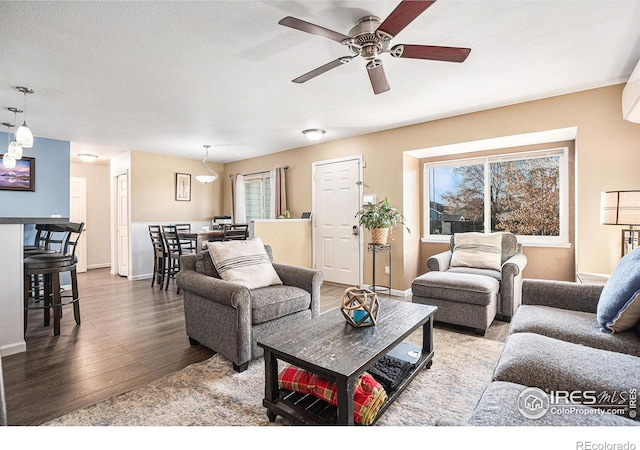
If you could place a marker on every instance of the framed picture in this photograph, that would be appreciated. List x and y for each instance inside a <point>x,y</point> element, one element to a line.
<point>20,178</point>
<point>183,187</point>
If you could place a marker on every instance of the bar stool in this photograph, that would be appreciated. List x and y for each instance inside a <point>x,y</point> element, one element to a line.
<point>49,266</point>
<point>50,238</point>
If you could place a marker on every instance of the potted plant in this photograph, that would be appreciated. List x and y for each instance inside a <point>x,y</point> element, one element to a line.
<point>379,218</point>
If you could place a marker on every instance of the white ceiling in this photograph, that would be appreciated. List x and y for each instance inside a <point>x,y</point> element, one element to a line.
<point>168,77</point>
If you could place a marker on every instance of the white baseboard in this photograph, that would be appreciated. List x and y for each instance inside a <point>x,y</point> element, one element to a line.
<point>399,293</point>
<point>144,276</point>
<point>99,266</point>
<point>12,349</point>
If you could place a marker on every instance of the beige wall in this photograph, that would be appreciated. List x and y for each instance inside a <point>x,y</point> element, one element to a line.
<point>153,183</point>
<point>607,158</point>
<point>289,240</point>
<point>98,230</point>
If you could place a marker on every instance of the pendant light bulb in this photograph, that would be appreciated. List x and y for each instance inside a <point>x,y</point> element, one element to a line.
<point>8,162</point>
<point>24,136</point>
<point>14,149</point>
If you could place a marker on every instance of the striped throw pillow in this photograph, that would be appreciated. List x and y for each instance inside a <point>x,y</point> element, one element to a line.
<point>245,262</point>
<point>477,250</point>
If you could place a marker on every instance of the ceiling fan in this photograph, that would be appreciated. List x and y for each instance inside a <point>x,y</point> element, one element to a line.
<point>370,38</point>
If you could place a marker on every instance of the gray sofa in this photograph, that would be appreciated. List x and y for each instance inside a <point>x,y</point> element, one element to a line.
<point>230,318</point>
<point>556,345</point>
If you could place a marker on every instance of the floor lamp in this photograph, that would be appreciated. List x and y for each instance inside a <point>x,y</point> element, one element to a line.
<point>622,208</point>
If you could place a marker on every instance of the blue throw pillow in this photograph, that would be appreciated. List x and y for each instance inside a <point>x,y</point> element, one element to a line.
<point>619,303</point>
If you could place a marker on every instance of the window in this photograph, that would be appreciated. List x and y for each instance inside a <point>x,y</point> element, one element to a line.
<point>257,196</point>
<point>524,193</point>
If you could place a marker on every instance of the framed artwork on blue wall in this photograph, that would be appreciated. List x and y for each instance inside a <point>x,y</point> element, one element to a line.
<point>21,178</point>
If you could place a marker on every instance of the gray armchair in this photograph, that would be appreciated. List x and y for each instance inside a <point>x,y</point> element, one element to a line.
<point>229,318</point>
<point>509,295</point>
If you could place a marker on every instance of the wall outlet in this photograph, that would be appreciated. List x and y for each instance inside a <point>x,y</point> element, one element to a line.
<point>387,270</point>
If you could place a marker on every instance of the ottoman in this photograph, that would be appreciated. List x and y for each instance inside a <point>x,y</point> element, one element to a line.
<point>464,299</point>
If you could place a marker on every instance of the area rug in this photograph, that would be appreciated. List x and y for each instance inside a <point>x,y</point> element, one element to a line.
<point>210,393</point>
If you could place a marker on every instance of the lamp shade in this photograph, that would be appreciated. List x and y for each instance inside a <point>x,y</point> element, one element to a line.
<point>620,208</point>
<point>206,179</point>
<point>87,157</point>
<point>314,134</point>
<point>24,137</point>
<point>8,162</point>
<point>15,151</point>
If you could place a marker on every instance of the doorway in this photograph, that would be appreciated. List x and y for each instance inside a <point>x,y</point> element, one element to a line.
<point>79,215</point>
<point>337,242</point>
<point>122,224</point>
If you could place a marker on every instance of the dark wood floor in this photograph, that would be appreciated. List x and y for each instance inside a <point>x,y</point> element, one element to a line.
<point>130,334</point>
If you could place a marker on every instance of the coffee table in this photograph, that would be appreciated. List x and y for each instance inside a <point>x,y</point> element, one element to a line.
<point>328,346</point>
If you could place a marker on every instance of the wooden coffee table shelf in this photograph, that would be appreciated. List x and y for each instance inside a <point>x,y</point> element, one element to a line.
<point>331,348</point>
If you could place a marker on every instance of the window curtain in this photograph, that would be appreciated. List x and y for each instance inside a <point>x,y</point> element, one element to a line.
<point>279,190</point>
<point>238,199</point>
<point>273,197</point>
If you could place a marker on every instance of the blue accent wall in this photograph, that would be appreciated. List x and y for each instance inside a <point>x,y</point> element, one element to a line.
<point>53,171</point>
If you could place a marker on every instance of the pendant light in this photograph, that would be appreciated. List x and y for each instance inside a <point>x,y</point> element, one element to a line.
<point>24,136</point>
<point>14,150</point>
<point>8,161</point>
<point>206,179</point>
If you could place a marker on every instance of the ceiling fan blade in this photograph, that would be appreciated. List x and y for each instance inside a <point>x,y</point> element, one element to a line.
<point>402,16</point>
<point>307,27</point>
<point>451,54</point>
<point>322,69</point>
<point>378,78</point>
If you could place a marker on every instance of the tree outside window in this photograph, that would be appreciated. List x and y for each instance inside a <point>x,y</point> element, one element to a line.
<point>517,193</point>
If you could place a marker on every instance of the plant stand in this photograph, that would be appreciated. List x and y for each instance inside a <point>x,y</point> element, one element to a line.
<point>380,248</point>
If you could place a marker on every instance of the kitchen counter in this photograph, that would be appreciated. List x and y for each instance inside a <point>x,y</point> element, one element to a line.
<point>30,220</point>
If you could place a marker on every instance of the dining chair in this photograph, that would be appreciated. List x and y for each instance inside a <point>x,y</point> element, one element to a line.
<point>159,255</point>
<point>236,232</point>
<point>174,252</point>
<point>188,244</point>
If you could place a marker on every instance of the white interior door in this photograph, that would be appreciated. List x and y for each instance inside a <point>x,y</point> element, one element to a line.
<point>337,242</point>
<point>78,215</point>
<point>123,225</point>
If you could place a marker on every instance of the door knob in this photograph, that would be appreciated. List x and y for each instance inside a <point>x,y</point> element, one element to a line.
<point>355,230</point>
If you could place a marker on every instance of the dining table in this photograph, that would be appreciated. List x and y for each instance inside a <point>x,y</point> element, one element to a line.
<point>202,237</point>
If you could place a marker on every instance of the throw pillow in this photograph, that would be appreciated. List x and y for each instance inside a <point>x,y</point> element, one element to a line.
<point>245,262</point>
<point>619,303</point>
<point>478,250</point>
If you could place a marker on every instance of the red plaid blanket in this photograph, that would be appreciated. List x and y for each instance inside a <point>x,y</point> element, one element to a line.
<point>368,397</point>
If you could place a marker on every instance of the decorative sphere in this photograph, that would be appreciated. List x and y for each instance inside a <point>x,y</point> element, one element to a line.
<point>360,307</point>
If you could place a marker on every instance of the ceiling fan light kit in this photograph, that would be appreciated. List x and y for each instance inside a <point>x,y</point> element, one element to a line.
<point>370,38</point>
